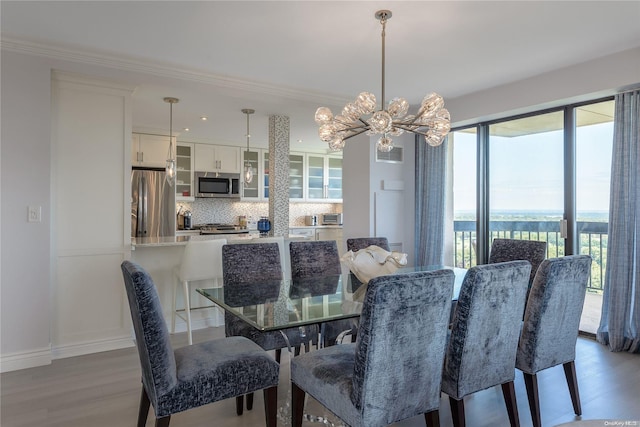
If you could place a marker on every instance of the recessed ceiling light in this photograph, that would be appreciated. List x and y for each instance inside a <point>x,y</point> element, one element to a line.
<point>203,118</point>
<point>185,129</point>
<point>299,140</point>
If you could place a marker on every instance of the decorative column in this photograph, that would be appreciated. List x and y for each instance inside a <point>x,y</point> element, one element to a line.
<point>279,175</point>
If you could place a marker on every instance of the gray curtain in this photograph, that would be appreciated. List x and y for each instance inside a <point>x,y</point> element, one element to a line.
<point>620,322</point>
<point>431,168</point>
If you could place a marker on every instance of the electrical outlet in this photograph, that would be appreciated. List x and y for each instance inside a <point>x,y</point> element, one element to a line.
<point>34,213</point>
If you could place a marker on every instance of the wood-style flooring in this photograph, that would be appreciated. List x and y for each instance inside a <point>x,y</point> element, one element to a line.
<point>102,390</point>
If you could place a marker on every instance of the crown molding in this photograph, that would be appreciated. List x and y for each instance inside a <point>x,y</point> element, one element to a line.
<point>158,69</point>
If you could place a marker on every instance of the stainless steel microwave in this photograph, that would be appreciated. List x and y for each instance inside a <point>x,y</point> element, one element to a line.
<point>213,184</point>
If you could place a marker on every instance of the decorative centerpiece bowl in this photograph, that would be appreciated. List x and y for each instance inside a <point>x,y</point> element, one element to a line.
<point>373,261</point>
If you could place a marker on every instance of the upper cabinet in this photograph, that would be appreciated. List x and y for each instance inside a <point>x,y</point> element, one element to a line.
<point>252,189</point>
<point>296,176</point>
<point>150,150</point>
<point>324,178</point>
<point>184,171</point>
<point>217,158</point>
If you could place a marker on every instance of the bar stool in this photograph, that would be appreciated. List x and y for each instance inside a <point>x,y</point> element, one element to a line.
<point>201,260</point>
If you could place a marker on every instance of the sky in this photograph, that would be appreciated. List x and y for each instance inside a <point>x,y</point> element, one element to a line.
<point>526,172</point>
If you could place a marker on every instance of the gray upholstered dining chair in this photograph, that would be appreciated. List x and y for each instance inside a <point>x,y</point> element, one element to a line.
<point>195,375</point>
<point>503,250</point>
<point>551,323</point>
<point>394,369</point>
<point>310,261</point>
<point>484,336</point>
<point>243,266</point>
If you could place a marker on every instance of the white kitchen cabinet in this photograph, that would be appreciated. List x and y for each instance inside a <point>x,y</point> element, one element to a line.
<point>184,172</point>
<point>150,150</point>
<point>217,158</point>
<point>252,190</point>
<point>321,233</point>
<point>324,178</point>
<point>331,234</point>
<point>309,232</point>
<point>296,176</point>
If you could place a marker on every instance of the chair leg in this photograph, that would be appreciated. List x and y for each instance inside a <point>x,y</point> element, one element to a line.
<point>432,418</point>
<point>457,412</point>
<point>163,422</point>
<point>249,401</point>
<point>572,382</point>
<point>173,309</point>
<point>531,384</point>
<point>187,309</point>
<point>509,393</point>
<point>297,405</point>
<point>271,405</point>
<point>144,408</point>
<point>239,404</point>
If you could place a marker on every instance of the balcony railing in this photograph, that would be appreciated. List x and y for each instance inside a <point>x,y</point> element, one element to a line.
<point>593,239</point>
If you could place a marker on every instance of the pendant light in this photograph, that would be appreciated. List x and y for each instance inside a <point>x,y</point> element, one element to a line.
<point>170,168</point>
<point>248,170</point>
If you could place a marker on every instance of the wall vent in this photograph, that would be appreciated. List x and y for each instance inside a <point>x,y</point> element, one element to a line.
<point>393,156</point>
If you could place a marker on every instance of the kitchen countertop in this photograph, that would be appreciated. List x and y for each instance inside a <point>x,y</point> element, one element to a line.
<point>156,242</point>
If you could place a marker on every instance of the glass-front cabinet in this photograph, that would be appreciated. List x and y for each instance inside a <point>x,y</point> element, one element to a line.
<point>324,175</point>
<point>184,171</point>
<point>312,177</point>
<point>296,176</point>
<point>251,190</point>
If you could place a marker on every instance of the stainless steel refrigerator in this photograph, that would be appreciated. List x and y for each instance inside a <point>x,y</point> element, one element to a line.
<point>153,204</point>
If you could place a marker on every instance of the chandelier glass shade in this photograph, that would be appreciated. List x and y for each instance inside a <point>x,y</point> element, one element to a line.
<point>360,116</point>
<point>248,170</point>
<point>170,168</point>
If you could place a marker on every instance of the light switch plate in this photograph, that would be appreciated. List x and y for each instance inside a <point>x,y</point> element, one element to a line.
<point>34,213</point>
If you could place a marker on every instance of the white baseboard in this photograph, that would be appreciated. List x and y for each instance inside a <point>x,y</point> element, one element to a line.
<point>91,347</point>
<point>24,360</point>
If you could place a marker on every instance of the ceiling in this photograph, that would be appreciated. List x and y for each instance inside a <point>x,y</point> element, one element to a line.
<point>290,57</point>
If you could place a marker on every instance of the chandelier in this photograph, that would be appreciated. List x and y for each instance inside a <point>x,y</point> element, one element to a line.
<point>170,168</point>
<point>248,170</point>
<point>431,121</point>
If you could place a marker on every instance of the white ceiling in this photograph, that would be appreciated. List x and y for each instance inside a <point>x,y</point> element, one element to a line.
<point>291,57</point>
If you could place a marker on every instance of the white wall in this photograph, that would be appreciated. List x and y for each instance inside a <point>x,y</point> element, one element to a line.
<point>590,80</point>
<point>25,175</point>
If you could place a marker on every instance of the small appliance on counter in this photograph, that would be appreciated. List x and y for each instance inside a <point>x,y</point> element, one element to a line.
<point>332,219</point>
<point>311,220</point>
<point>264,226</point>
<point>187,220</point>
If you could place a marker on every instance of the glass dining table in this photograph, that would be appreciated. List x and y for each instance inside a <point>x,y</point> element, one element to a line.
<point>276,305</point>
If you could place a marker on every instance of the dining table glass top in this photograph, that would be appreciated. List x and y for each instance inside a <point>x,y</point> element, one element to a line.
<point>275,305</point>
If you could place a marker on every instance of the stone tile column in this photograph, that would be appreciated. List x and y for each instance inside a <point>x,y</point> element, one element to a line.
<point>279,175</point>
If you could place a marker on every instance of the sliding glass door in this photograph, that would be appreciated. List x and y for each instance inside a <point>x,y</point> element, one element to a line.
<point>526,180</point>
<point>544,176</point>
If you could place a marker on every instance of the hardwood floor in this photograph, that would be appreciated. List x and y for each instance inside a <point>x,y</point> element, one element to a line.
<point>103,389</point>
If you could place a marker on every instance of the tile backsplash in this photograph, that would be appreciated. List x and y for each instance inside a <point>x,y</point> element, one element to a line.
<point>226,211</point>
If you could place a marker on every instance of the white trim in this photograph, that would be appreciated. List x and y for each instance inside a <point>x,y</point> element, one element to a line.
<point>81,349</point>
<point>163,70</point>
<point>26,359</point>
